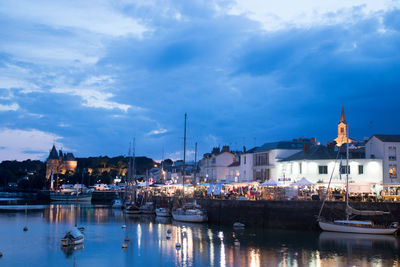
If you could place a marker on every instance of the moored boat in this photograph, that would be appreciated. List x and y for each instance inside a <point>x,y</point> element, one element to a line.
<point>359,227</point>
<point>147,208</point>
<point>163,212</point>
<point>190,212</point>
<point>60,196</point>
<point>76,192</point>
<point>132,208</point>
<point>72,238</point>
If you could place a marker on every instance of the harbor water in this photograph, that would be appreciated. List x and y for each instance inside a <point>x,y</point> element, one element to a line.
<point>149,244</point>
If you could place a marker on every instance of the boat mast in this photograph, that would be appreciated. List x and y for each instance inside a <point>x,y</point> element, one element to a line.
<point>133,169</point>
<point>76,207</point>
<point>127,188</point>
<point>195,163</point>
<point>184,158</point>
<point>347,173</point>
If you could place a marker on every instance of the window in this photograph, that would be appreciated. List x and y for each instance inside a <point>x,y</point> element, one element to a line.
<point>244,160</point>
<point>341,130</point>
<point>392,153</point>
<point>244,174</point>
<point>237,172</point>
<point>261,159</point>
<point>360,169</point>
<point>323,169</point>
<point>392,170</point>
<point>343,169</point>
<point>231,172</point>
<point>300,168</point>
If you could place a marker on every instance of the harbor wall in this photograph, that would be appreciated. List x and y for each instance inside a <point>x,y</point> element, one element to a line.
<point>284,214</point>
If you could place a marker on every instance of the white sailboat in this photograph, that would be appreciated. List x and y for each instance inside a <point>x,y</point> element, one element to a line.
<point>355,226</point>
<point>74,236</point>
<point>190,212</point>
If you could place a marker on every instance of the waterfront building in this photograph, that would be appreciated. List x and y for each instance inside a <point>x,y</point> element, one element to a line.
<point>59,162</point>
<point>385,148</point>
<point>259,163</point>
<point>214,166</point>
<point>234,172</point>
<point>318,163</point>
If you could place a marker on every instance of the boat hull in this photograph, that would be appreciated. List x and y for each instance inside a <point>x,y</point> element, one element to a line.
<point>334,227</point>
<point>71,198</point>
<point>163,213</point>
<point>68,242</point>
<point>197,218</point>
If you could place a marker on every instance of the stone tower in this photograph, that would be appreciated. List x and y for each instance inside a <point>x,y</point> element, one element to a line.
<point>60,163</point>
<point>342,130</point>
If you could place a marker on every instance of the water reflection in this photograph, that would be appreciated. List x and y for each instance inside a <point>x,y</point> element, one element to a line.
<point>201,245</point>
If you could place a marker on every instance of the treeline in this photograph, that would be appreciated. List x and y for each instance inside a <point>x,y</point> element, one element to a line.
<point>31,173</point>
<point>19,171</point>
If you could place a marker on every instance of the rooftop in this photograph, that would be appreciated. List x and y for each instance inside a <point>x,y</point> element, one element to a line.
<point>388,137</point>
<point>314,153</point>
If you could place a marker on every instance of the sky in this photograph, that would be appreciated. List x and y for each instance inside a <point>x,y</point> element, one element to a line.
<point>91,76</point>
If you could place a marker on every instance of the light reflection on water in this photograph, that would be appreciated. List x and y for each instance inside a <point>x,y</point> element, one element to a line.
<point>201,245</point>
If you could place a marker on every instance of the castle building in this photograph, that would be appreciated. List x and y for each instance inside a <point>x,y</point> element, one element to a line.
<point>60,163</point>
<point>343,131</point>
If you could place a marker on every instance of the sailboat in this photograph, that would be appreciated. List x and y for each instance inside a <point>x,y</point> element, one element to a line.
<point>355,226</point>
<point>130,206</point>
<point>190,212</point>
<point>74,236</point>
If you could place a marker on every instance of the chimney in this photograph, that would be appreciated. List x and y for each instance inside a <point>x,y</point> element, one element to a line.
<point>244,149</point>
<point>225,149</point>
<point>306,147</point>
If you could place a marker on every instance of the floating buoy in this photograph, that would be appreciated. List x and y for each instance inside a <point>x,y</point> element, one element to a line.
<point>126,239</point>
<point>123,226</point>
<point>25,229</point>
<point>169,231</point>
<point>178,245</point>
<point>237,243</point>
<point>124,246</point>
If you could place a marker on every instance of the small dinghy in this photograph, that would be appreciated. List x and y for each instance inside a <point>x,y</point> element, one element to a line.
<point>72,238</point>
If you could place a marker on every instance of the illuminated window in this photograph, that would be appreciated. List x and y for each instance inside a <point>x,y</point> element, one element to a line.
<point>237,172</point>
<point>231,172</point>
<point>392,170</point>
<point>392,153</point>
<point>323,169</point>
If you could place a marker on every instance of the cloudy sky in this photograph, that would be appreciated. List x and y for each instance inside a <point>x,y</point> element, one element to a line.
<point>92,75</point>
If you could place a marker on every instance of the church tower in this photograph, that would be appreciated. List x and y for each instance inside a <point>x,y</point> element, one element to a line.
<point>342,130</point>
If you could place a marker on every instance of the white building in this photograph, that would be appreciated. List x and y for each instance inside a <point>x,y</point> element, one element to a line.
<point>214,165</point>
<point>385,148</point>
<point>318,163</point>
<point>259,163</point>
<point>234,172</point>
